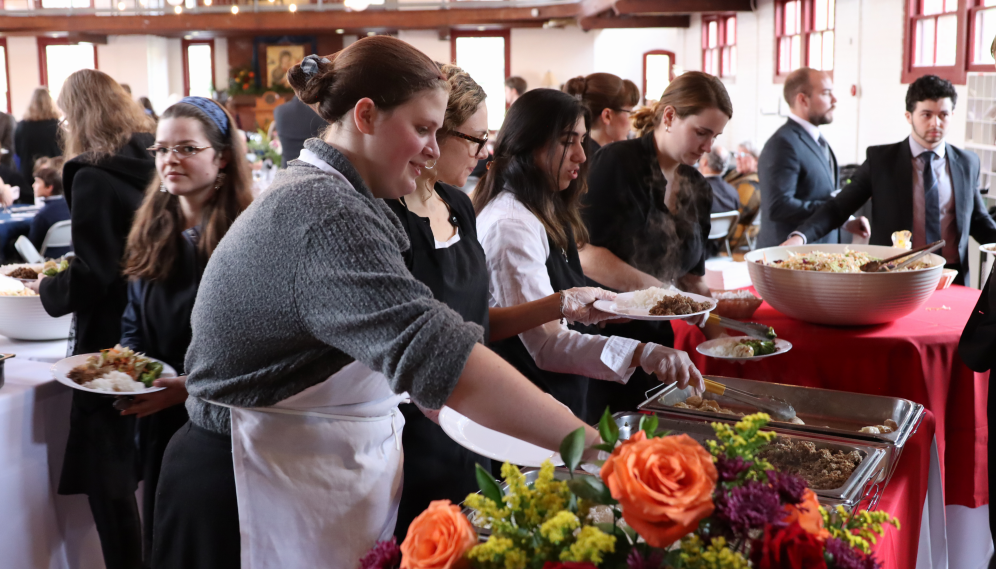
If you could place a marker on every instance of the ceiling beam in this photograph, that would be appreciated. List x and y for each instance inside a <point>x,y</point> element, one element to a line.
<point>679,6</point>
<point>605,22</point>
<point>594,7</point>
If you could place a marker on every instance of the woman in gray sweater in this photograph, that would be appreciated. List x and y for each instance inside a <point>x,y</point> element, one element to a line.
<point>308,325</point>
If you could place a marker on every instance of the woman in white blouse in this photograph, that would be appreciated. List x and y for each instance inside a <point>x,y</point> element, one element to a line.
<point>530,226</point>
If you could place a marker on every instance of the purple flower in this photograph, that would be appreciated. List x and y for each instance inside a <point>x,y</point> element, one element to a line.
<point>384,555</point>
<point>846,557</point>
<point>790,488</point>
<point>636,560</point>
<point>730,469</point>
<point>751,506</point>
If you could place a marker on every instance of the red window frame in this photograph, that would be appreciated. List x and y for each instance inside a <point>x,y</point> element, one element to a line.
<point>670,71</point>
<point>807,27</point>
<point>976,6</point>
<point>507,34</point>
<point>725,50</point>
<point>186,62</point>
<point>6,65</point>
<point>43,56</point>
<point>956,73</point>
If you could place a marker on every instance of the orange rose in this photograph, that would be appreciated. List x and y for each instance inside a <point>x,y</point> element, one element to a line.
<point>438,538</point>
<point>664,485</point>
<point>807,513</point>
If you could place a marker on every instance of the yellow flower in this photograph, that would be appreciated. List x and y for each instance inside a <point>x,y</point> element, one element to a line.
<point>557,528</point>
<point>716,556</point>
<point>590,546</point>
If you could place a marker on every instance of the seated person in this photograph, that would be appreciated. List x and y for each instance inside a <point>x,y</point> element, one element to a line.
<point>744,178</point>
<point>48,187</point>
<point>724,196</point>
<point>921,184</point>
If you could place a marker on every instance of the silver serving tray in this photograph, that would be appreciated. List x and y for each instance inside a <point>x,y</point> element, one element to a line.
<point>826,412</point>
<point>864,484</point>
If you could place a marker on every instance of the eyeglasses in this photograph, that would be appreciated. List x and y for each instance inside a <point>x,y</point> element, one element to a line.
<point>182,151</point>
<point>480,141</point>
<point>627,111</point>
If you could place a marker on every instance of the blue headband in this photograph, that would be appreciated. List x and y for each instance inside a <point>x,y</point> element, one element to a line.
<point>212,110</point>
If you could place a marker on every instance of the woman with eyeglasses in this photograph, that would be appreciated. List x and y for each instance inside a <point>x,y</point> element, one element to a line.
<point>104,181</point>
<point>610,100</point>
<point>446,256</point>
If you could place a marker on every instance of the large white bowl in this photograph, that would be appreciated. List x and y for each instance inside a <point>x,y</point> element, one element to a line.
<point>24,318</point>
<point>842,299</point>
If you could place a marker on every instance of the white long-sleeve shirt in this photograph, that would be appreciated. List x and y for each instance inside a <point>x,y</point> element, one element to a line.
<point>516,245</point>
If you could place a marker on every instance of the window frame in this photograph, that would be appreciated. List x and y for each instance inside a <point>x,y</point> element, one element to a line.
<point>670,72</point>
<point>957,73</point>
<point>807,29</point>
<point>6,66</point>
<point>43,43</point>
<point>721,19</point>
<point>976,7</point>
<point>184,44</point>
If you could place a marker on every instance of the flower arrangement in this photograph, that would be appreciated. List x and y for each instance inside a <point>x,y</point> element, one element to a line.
<point>672,504</point>
<point>242,81</point>
<point>262,147</point>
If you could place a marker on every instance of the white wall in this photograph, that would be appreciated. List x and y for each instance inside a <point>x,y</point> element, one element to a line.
<point>426,41</point>
<point>22,61</point>
<point>549,57</point>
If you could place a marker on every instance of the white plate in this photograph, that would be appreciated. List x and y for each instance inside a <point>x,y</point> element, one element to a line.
<point>613,307</point>
<point>60,371</point>
<point>492,444</point>
<point>705,348</point>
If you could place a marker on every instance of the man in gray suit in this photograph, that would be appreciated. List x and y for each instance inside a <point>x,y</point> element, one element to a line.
<point>797,168</point>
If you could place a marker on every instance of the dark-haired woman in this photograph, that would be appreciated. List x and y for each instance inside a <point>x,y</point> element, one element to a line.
<point>610,101</point>
<point>104,180</point>
<point>202,185</point>
<point>648,210</point>
<point>529,223</point>
<point>309,328</point>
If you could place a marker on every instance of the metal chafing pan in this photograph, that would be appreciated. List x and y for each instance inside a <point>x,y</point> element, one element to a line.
<point>827,413</point>
<point>865,483</point>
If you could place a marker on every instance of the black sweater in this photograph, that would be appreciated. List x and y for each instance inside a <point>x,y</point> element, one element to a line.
<point>34,140</point>
<point>102,199</point>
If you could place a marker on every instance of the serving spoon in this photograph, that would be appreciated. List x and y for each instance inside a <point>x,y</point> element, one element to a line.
<point>780,409</point>
<point>883,266</point>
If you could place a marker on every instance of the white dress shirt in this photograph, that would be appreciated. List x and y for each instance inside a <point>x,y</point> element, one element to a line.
<point>811,128</point>
<point>517,247</point>
<point>945,198</point>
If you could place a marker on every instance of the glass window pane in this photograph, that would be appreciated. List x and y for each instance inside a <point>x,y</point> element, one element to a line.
<point>731,30</point>
<point>64,60</point>
<point>733,62</point>
<point>715,61</point>
<point>820,15</point>
<point>484,60</point>
<point>928,7</point>
<point>65,3</point>
<point>816,50</point>
<point>827,51</point>
<point>831,7</point>
<point>784,55</point>
<point>947,40</point>
<point>989,3</point>
<point>199,70</point>
<point>985,28</point>
<point>726,62</point>
<point>790,17</point>
<point>796,52</point>
<point>707,63</point>
<point>658,75</point>
<point>3,81</point>
<point>952,5</point>
<point>713,33</point>
<point>925,42</point>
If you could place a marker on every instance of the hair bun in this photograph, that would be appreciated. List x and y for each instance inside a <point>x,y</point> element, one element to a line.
<point>308,77</point>
<point>576,86</point>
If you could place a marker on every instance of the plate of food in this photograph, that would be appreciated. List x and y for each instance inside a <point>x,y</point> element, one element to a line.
<point>492,444</point>
<point>743,348</point>
<point>29,272</point>
<point>115,371</point>
<point>657,303</point>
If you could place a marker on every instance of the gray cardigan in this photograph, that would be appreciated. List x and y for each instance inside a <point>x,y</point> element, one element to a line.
<point>310,278</point>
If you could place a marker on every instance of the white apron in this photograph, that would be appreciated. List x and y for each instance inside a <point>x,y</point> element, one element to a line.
<point>318,476</point>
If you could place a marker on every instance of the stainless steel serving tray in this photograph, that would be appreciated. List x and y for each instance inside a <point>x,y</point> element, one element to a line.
<point>826,412</point>
<point>864,484</point>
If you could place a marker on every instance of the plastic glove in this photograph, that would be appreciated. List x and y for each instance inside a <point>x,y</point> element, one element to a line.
<point>577,305</point>
<point>671,365</point>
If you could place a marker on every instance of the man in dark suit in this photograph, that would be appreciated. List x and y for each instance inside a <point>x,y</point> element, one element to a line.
<point>295,123</point>
<point>797,168</point>
<point>921,184</point>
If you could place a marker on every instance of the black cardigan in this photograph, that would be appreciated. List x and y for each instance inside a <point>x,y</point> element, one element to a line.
<point>102,199</point>
<point>34,140</point>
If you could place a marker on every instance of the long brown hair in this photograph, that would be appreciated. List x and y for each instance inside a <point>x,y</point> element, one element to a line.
<point>537,119</point>
<point>102,117</point>
<point>155,236</point>
<point>689,94</point>
<point>42,107</point>
<point>602,91</point>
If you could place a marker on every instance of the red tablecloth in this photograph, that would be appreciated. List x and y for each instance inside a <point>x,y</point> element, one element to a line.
<point>915,358</point>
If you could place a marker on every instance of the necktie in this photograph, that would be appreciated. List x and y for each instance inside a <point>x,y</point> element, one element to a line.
<point>826,153</point>
<point>931,200</point>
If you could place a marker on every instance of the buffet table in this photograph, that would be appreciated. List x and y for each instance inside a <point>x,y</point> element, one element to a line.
<point>914,358</point>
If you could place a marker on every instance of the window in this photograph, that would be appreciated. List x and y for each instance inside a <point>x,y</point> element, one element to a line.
<point>59,59</point>
<point>982,19</point>
<point>936,35</point>
<point>719,45</point>
<point>804,35</point>
<point>198,68</point>
<point>658,71</point>
<point>486,57</point>
<point>4,74</point>
<point>66,4</point>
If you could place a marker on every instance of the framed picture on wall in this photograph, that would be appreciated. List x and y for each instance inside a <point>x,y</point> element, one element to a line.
<point>278,59</point>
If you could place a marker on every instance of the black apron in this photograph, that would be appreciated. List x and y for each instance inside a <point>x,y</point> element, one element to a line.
<point>436,467</point>
<point>564,268</point>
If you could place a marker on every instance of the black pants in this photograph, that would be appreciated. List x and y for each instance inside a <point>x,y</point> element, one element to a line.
<point>118,527</point>
<point>154,434</point>
<point>197,514</point>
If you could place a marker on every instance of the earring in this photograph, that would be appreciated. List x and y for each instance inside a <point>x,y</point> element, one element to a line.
<point>667,128</point>
<point>430,164</point>
<point>162,186</point>
<point>221,180</point>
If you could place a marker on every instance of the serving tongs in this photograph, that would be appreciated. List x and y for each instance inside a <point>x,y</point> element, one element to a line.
<point>752,329</point>
<point>779,409</point>
<point>886,265</point>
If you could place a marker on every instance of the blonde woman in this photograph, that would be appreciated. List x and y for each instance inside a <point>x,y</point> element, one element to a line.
<point>37,135</point>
